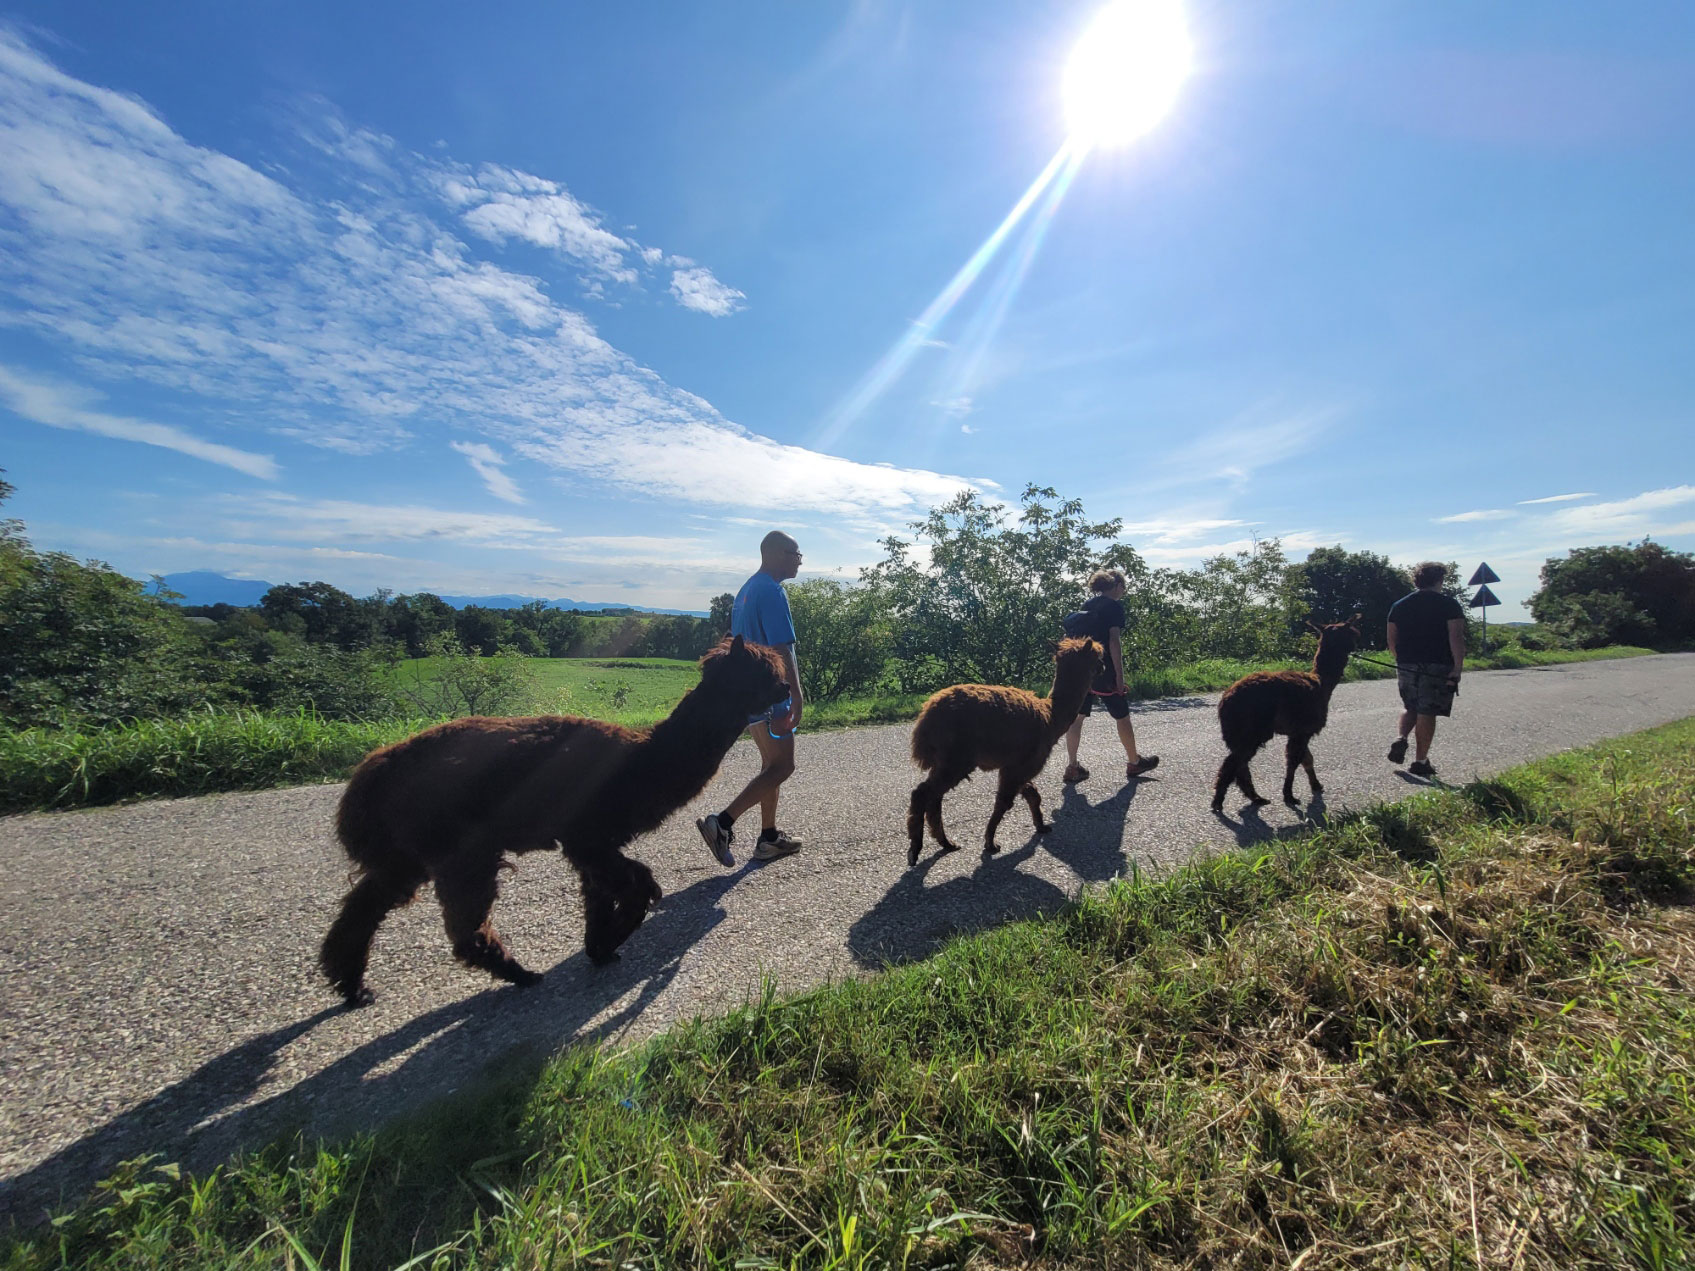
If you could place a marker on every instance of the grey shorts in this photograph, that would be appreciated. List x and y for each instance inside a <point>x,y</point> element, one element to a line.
<point>1425,689</point>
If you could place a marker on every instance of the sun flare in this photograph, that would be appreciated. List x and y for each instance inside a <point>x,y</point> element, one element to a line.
<point>1126,71</point>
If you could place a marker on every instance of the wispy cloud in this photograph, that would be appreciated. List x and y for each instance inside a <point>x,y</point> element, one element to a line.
<point>1632,516</point>
<point>1482,514</point>
<point>696,288</point>
<point>1254,440</point>
<point>1557,498</point>
<point>1178,529</point>
<point>63,407</point>
<point>487,462</point>
<point>341,306</point>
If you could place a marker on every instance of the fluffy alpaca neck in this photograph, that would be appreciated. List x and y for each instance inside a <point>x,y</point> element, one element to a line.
<point>1328,665</point>
<point>687,746</point>
<point>1065,699</point>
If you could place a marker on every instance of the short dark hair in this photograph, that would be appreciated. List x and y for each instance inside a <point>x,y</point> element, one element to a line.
<point>1106,579</point>
<point>1429,573</point>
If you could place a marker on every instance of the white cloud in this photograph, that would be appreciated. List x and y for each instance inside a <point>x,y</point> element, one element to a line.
<point>697,289</point>
<point>1623,517</point>
<point>1482,514</point>
<point>343,309</point>
<point>61,407</point>
<point>1177,530</point>
<point>1558,498</point>
<point>487,462</point>
<point>1256,439</point>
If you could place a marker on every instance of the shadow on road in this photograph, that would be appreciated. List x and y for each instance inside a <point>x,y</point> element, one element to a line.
<point>200,1120</point>
<point>912,920</point>
<point>1251,827</point>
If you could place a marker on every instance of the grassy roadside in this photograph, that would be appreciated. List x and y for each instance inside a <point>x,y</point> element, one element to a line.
<point>45,769</point>
<point>1455,1031</point>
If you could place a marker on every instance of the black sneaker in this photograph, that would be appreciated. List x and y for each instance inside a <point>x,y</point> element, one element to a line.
<point>718,838</point>
<point>1422,768</point>
<point>1398,750</point>
<point>1147,763</point>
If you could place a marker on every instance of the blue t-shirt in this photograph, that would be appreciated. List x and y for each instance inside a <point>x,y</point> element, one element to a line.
<point>761,612</point>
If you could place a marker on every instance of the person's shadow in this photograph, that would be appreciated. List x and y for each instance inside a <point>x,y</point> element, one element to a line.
<point>1089,837</point>
<point>200,1120</point>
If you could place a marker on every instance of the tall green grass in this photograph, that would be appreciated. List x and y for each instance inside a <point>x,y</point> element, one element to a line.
<point>200,754</point>
<point>1452,1032</point>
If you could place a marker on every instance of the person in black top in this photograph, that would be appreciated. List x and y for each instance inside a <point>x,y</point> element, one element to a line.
<point>1107,606</point>
<point>1427,641</point>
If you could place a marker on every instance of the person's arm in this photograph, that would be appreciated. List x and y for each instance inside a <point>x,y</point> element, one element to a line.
<point>1115,650</point>
<point>1456,645</point>
<point>1391,639</point>
<point>791,669</point>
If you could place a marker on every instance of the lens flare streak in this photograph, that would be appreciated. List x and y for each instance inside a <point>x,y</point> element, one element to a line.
<point>896,360</point>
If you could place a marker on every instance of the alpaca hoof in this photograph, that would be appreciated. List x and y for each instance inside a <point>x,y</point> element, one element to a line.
<point>1291,800</point>
<point>525,979</point>
<point>1218,805</point>
<point>361,996</point>
<point>1258,802</point>
<point>911,857</point>
<point>604,957</point>
<point>1045,829</point>
<point>1317,790</point>
<point>990,849</point>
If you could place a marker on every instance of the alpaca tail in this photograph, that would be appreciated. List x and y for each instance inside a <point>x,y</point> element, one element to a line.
<point>359,826</point>
<point>932,733</point>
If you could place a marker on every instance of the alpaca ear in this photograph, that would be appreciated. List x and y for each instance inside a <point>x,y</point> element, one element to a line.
<point>1313,626</point>
<point>736,645</point>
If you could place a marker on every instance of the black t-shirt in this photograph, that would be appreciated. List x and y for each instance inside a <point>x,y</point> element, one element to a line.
<point>1421,627</point>
<point>1107,613</point>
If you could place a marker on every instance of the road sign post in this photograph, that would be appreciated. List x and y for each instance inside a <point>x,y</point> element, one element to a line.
<point>1481,577</point>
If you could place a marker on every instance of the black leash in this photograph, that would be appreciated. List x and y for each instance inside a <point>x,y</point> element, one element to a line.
<point>1396,667</point>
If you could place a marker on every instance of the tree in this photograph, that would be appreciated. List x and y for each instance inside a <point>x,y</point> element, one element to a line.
<point>318,613</point>
<point>843,638</point>
<point>718,620</point>
<point>1632,594</point>
<point>1240,604</point>
<point>417,620</point>
<point>483,630</point>
<point>1333,584</point>
<point>987,603</point>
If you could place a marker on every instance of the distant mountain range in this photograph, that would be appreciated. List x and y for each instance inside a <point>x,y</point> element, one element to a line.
<point>205,587</point>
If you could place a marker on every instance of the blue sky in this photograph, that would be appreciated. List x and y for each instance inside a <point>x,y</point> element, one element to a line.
<point>580,300</point>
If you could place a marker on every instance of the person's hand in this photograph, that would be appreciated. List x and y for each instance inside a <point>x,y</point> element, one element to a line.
<point>1121,689</point>
<point>788,723</point>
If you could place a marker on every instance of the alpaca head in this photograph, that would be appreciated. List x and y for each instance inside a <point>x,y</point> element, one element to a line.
<point>1336,641</point>
<point>750,676</point>
<point>1078,658</point>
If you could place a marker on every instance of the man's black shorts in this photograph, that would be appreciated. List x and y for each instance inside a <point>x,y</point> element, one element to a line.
<point>1115,704</point>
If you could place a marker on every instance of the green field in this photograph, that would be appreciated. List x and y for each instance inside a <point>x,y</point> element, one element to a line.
<point>632,691</point>
<point>1451,1032</point>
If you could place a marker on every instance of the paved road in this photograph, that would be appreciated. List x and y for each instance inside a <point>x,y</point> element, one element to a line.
<point>157,988</point>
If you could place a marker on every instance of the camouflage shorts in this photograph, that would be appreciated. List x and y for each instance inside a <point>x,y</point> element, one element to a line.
<point>1425,689</point>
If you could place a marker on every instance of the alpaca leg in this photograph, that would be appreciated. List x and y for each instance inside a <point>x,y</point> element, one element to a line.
<point>1245,779</point>
<point>1005,795</point>
<point>1226,774</point>
<point>1033,797</point>
<point>1293,753</point>
<point>1312,773</point>
<point>615,901</point>
<point>347,947</point>
<point>926,808</point>
<point>467,895</point>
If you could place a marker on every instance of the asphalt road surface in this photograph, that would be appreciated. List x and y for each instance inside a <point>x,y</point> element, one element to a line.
<point>158,992</point>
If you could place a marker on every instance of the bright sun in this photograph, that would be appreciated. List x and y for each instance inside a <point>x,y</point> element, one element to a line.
<point>1126,70</point>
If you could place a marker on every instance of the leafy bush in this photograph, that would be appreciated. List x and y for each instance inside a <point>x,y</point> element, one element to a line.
<point>844,638</point>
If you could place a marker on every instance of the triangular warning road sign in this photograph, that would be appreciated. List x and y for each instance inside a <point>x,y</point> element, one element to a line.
<point>1483,575</point>
<point>1484,597</point>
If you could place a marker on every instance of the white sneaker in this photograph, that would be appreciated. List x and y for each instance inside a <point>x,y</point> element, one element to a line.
<point>769,849</point>
<point>718,838</point>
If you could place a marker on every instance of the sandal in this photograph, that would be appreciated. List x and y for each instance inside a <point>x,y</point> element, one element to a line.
<point>1074,773</point>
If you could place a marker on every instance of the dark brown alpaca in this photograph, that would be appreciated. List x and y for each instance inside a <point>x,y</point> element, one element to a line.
<point>449,804</point>
<point>1295,703</point>
<point>987,726</point>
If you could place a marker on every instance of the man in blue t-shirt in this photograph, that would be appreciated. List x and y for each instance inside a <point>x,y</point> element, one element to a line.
<point>761,616</point>
<point>1427,641</point>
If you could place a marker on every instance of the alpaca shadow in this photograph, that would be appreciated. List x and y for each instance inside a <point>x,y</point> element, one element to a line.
<point>1254,828</point>
<point>501,1032</point>
<point>1158,705</point>
<point>912,920</point>
<point>1089,837</point>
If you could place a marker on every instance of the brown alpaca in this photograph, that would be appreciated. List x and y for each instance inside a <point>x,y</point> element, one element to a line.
<point>448,804</point>
<point>1295,703</point>
<point>987,726</point>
